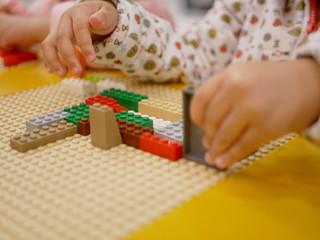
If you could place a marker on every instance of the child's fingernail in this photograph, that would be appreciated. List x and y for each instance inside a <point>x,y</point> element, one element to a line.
<point>219,162</point>
<point>60,73</point>
<point>208,159</point>
<point>205,143</point>
<point>90,58</point>
<point>75,70</point>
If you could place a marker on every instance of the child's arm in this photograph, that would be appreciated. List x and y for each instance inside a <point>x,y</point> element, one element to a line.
<point>16,30</point>
<point>143,45</point>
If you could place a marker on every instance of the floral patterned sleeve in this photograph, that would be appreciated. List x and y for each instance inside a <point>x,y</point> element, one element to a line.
<point>311,47</point>
<point>149,48</point>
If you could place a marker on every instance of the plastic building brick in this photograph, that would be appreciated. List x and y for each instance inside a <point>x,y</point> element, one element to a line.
<point>84,127</point>
<point>160,146</point>
<point>193,135</point>
<point>94,79</point>
<point>108,84</point>
<point>104,129</point>
<point>172,131</point>
<point>157,122</point>
<point>78,86</point>
<point>160,109</point>
<point>83,64</point>
<point>129,100</point>
<point>110,102</point>
<point>135,118</point>
<point>130,132</point>
<point>77,113</point>
<point>45,120</point>
<point>15,58</point>
<point>43,136</point>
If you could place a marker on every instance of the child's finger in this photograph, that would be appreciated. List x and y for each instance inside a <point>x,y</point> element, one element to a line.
<point>202,98</point>
<point>82,35</point>
<point>51,58</point>
<point>65,47</point>
<point>232,127</point>
<point>216,112</point>
<point>246,144</point>
<point>103,21</point>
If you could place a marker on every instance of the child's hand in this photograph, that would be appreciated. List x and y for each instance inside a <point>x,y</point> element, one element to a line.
<point>17,31</point>
<point>12,6</point>
<point>76,26</point>
<point>250,103</point>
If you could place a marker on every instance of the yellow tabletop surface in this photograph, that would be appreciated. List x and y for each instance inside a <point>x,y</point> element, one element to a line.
<point>278,197</point>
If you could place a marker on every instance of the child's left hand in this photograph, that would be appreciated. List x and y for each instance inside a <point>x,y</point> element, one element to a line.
<point>12,6</point>
<point>249,104</point>
<point>17,31</point>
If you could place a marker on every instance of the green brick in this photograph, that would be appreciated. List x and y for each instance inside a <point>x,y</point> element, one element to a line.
<point>126,99</point>
<point>93,79</point>
<point>136,119</point>
<point>77,113</point>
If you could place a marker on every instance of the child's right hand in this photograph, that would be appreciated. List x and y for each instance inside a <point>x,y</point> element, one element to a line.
<point>77,25</point>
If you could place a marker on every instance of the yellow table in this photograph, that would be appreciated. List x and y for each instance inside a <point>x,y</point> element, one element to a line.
<point>278,197</point>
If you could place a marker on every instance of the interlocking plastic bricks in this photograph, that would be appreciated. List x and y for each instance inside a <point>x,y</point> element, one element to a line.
<point>84,127</point>
<point>45,120</point>
<point>193,135</point>
<point>157,122</point>
<point>76,113</point>
<point>110,102</point>
<point>43,136</point>
<point>172,131</point>
<point>108,84</point>
<point>135,118</point>
<point>78,86</point>
<point>130,132</point>
<point>94,79</point>
<point>104,129</point>
<point>160,109</point>
<point>129,100</point>
<point>14,58</point>
<point>160,146</point>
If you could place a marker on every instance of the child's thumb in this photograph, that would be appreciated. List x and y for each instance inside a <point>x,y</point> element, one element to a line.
<point>103,22</point>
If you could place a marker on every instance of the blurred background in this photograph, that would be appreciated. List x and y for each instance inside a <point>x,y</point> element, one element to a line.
<point>185,12</point>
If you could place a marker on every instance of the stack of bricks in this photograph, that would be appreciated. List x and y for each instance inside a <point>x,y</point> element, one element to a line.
<point>78,86</point>
<point>110,102</point>
<point>160,146</point>
<point>43,136</point>
<point>84,127</point>
<point>135,118</point>
<point>161,109</point>
<point>129,100</point>
<point>77,113</point>
<point>130,132</point>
